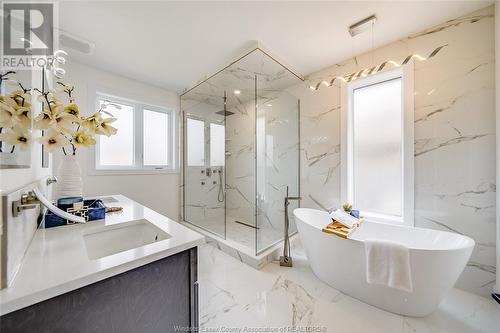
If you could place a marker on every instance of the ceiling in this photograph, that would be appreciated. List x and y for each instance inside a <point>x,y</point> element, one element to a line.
<point>176,44</point>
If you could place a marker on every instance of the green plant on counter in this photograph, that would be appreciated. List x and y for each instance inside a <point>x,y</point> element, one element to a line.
<point>347,207</point>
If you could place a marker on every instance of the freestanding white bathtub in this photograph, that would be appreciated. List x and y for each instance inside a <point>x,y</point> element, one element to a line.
<point>436,259</point>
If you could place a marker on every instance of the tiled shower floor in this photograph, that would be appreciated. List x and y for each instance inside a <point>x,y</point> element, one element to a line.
<point>245,235</point>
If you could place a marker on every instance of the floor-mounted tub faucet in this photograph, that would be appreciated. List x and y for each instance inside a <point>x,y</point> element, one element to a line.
<point>286,258</point>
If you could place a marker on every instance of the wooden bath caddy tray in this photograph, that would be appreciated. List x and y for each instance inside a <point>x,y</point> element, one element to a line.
<point>340,230</point>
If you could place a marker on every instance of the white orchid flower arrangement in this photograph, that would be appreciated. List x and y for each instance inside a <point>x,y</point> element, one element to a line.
<point>65,126</point>
<point>15,115</point>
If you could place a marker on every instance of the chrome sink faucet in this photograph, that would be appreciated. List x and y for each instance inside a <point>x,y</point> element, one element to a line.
<point>286,258</point>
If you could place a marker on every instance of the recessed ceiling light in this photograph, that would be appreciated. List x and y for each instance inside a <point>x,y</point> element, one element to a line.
<point>269,105</point>
<point>237,92</point>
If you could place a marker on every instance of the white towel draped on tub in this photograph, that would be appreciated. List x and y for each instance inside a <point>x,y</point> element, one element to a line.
<point>388,264</point>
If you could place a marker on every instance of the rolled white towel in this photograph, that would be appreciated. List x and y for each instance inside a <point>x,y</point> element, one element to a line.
<point>344,218</point>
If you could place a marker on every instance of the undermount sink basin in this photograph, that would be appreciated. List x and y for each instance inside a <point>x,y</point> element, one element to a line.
<point>117,238</point>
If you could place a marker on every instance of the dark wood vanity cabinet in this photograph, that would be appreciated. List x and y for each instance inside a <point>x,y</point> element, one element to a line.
<point>158,297</point>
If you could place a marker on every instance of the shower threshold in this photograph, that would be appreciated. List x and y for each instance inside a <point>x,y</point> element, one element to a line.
<point>241,252</point>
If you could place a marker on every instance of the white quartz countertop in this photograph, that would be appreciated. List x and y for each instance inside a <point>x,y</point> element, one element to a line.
<point>56,261</point>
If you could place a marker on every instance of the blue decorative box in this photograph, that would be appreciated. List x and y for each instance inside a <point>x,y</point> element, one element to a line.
<point>92,210</point>
<point>355,213</point>
<point>67,202</point>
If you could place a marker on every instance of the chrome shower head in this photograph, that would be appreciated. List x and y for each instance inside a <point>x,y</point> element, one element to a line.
<point>224,113</point>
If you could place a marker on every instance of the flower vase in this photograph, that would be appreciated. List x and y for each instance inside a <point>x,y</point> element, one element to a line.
<point>69,177</point>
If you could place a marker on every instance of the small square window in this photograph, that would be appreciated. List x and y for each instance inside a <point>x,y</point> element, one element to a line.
<point>144,142</point>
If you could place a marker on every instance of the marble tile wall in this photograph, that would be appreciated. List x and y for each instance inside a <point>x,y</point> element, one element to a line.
<point>277,163</point>
<point>269,139</point>
<point>454,135</point>
<point>202,206</point>
<point>240,162</point>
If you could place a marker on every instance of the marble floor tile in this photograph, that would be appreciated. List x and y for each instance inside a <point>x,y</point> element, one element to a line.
<point>234,295</point>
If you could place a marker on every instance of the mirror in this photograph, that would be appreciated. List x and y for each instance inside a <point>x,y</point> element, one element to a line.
<point>15,119</point>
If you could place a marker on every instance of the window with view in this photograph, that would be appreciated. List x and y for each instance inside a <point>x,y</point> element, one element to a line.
<point>201,152</point>
<point>378,146</point>
<point>144,141</point>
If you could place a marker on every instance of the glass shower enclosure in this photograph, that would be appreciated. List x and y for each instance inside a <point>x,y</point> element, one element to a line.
<point>241,151</point>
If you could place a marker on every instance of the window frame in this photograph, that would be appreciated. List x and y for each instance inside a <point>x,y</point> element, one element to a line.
<point>207,132</point>
<point>138,166</point>
<point>347,139</point>
<point>170,139</point>
<point>210,123</point>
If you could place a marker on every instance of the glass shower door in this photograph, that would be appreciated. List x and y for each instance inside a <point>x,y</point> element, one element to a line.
<point>241,152</point>
<point>204,165</point>
<point>277,136</point>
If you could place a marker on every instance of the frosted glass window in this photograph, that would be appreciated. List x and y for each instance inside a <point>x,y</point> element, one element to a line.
<point>377,150</point>
<point>217,144</point>
<point>155,138</point>
<point>118,150</point>
<point>195,142</point>
<point>145,141</point>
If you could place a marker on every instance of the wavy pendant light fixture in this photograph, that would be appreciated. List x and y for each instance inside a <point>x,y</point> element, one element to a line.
<point>358,28</point>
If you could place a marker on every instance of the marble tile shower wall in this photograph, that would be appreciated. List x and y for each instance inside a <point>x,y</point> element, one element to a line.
<point>240,164</point>
<point>454,135</point>
<point>277,162</point>
<point>202,206</point>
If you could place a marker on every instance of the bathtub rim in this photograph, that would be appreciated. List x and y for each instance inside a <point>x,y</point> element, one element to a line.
<point>469,244</point>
